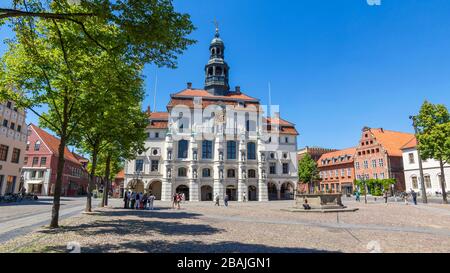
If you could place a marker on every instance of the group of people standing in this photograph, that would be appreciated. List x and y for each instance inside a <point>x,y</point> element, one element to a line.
<point>138,200</point>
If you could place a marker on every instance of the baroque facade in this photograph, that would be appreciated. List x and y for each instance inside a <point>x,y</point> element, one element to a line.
<point>216,141</point>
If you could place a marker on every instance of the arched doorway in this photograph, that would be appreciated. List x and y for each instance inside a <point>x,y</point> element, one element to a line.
<point>155,188</point>
<point>232,193</point>
<point>207,193</point>
<point>136,186</point>
<point>272,191</point>
<point>183,189</point>
<point>252,196</point>
<point>287,191</point>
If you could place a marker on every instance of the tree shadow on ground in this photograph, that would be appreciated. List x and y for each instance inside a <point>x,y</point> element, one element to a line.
<point>129,227</point>
<point>159,246</point>
<point>161,213</point>
<point>110,222</point>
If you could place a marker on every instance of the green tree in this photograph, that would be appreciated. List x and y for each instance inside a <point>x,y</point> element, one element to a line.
<point>60,49</point>
<point>150,30</point>
<point>433,125</point>
<point>307,170</point>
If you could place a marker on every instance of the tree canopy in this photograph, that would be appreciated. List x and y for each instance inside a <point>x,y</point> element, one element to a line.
<point>307,169</point>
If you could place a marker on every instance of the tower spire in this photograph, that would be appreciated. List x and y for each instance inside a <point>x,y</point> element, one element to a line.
<point>216,71</point>
<point>217,35</point>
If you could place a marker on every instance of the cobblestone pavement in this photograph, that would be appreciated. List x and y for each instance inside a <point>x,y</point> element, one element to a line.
<point>248,227</point>
<point>23,217</point>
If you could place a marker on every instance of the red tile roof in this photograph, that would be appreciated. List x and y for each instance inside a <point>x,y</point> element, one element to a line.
<point>158,125</point>
<point>159,116</point>
<point>410,144</point>
<point>206,94</point>
<point>279,121</point>
<point>52,143</point>
<point>289,131</point>
<point>120,174</point>
<point>189,102</point>
<point>392,141</point>
<point>349,151</point>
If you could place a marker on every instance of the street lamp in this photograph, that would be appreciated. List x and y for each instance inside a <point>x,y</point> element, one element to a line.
<point>422,180</point>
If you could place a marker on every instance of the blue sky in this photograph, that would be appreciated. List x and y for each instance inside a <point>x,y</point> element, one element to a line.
<point>334,66</point>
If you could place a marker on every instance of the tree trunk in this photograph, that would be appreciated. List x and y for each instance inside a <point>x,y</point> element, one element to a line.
<point>91,180</point>
<point>444,192</point>
<point>58,183</point>
<point>107,175</point>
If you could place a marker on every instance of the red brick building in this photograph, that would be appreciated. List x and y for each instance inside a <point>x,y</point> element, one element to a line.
<point>40,165</point>
<point>337,171</point>
<point>379,155</point>
<point>118,184</point>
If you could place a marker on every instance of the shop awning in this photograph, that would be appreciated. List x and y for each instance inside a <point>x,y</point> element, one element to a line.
<point>34,181</point>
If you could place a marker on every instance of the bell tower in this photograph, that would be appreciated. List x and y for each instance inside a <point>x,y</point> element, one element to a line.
<point>216,71</point>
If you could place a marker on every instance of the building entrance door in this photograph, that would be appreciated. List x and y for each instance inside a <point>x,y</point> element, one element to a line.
<point>232,193</point>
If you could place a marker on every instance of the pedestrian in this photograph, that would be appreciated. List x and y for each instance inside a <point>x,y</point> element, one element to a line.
<point>151,199</point>
<point>144,201</point>
<point>244,197</point>
<point>133,200</point>
<point>138,201</point>
<point>306,206</point>
<point>358,196</point>
<point>414,196</point>
<point>125,200</point>
<point>183,197</point>
<point>385,195</point>
<point>174,200</point>
<point>225,200</point>
<point>179,196</point>
<point>217,200</point>
<point>405,197</point>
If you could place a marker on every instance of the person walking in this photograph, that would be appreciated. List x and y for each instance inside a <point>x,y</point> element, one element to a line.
<point>151,199</point>
<point>385,195</point>
<point>225,200</point>
<point>125,200</point>
<point>138,201</point>
<point>414,196</point>
<point>145,201</point>
<point>179,196</point>
<point>174,200</point>
<point>133,200</point>
<point>358,196</point>
<point>244,197</point>
<point>217,200</point>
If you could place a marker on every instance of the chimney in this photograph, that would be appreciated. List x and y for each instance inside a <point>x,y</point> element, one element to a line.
<point>189,85</point>
<point>238,89</point>
<point>148,110</point>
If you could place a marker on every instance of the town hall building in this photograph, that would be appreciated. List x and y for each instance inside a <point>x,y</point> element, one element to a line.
<point>216,141</point>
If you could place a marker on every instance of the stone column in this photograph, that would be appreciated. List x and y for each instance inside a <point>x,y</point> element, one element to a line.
<point>193,190</point>
<point>218,189</point>
<point>166,190</point>
<point>242,187</point>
